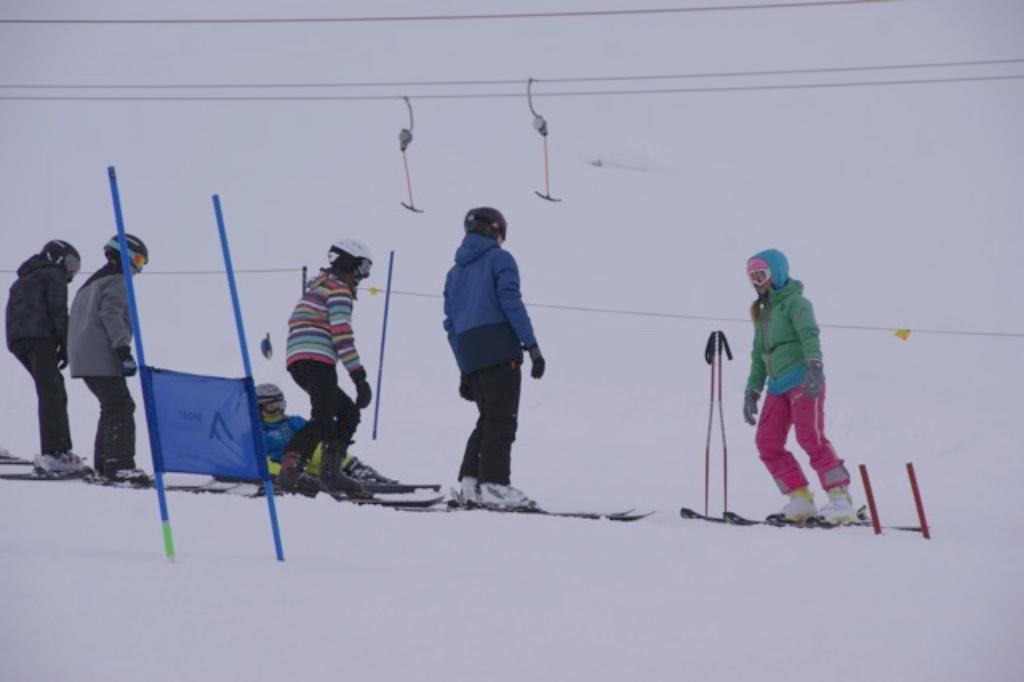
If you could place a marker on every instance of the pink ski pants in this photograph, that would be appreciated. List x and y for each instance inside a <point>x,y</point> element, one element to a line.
<point>807,415</point>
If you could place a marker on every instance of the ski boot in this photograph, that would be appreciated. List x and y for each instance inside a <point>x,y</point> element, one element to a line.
<point>59,465</point>
<point>839,508</point>
<point>333,480</point>
<point>504,497</point>
<point>293,478</point>
<point>361,471</point>
<point>800,508</point>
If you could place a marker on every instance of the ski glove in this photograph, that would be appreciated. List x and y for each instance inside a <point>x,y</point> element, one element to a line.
<point>62,356</point>
<point>537,363</point>
<point>363,393</point>
<point>750,406</point>
<point>128,366</point>
<point>814,380</point>
<point>466,389</point>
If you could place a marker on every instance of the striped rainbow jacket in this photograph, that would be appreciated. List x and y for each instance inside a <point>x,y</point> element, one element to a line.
<point>320,327</point>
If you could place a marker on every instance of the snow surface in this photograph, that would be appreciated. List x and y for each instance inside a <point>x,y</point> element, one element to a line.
<point>898,206</point>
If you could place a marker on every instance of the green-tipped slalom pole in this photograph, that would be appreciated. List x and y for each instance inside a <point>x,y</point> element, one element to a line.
<point>154,440</point>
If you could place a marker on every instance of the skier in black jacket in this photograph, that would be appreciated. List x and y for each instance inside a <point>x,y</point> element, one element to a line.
<point>37,334</point>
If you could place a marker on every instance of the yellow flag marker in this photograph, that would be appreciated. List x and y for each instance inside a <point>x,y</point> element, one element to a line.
<point>903,334</point>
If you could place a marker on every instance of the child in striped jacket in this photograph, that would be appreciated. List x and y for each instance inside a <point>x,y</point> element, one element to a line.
<point>319,337</point>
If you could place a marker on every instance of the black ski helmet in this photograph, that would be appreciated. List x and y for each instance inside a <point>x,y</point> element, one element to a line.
<point>59,252</point>
<point>486,221</point>
<point>138,254</point>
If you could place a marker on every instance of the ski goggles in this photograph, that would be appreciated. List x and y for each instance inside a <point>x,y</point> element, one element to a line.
<point>363,268</point>
<point>71,266</point>
<point>272,407</point>
<point>759,277</point>
<point>138,261</point>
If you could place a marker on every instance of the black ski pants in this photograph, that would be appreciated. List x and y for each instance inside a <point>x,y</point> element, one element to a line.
<point>334,416</point>
<point>114,448</point>
<point>488,454</point>
<point>39,357</point>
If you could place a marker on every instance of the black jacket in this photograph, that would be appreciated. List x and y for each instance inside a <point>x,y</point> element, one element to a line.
<point>38,302</point>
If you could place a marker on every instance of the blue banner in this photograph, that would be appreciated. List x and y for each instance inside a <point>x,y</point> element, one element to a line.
<point>205,425</point>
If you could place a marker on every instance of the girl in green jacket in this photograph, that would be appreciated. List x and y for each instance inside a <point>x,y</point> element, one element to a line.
<point>787,356</point>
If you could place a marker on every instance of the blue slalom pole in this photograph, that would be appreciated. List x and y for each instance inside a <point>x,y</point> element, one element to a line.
<point>383,338</point>
<point>147,395</point>
<point>261,461</point>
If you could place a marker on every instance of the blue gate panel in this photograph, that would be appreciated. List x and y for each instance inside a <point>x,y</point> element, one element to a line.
<point>204,424</point>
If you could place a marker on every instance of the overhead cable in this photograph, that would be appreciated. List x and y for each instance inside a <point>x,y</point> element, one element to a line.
<point>567,14</point>
<point>512,81</point>
<point>507,95</point>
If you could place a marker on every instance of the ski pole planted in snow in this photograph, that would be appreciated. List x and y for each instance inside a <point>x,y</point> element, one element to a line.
<point>723,345</point>
<point>717,345</point>
<point>917,501</point>
<point>383,337</point>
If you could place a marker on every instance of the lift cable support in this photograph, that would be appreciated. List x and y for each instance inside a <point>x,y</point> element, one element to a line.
<point>541,126</point>
<point>404,140</point>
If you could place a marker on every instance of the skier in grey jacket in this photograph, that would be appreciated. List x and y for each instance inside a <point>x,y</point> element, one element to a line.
<point>99,345</point>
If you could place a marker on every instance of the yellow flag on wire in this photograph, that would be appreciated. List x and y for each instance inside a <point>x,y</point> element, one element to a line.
<point>902,334</point>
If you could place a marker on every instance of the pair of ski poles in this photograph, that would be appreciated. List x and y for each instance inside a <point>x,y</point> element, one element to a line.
<point>716,346</point>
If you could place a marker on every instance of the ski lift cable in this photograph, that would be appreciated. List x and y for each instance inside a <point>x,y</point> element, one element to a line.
<point>606,311</point>
<point>508,95</point>
<point>565,14</point>
<point>512,81</point>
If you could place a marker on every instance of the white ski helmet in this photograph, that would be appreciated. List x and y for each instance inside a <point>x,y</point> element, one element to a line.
<point>352,256</point>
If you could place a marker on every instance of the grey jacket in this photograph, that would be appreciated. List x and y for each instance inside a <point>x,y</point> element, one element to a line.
<point>100,324</point>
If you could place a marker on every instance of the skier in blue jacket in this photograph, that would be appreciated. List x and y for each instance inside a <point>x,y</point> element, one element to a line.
<point>279,428</point>
<point>488,328</point>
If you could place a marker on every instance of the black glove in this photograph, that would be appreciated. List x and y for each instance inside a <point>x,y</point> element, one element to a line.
<point>814,380</point>
<point>62,356</point>
<point>363,393</point>
<point>466,389</point>
<point>750,406</point>
<point>536,362</point>
<point>128,366</point>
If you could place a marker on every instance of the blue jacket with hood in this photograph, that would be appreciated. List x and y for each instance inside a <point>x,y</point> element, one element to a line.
<point>484,315</point>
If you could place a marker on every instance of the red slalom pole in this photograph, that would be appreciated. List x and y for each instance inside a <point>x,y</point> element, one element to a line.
<point>917,501</point>
<point>871,500</point>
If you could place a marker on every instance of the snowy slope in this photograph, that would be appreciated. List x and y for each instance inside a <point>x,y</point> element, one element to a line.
<point>898,207</point>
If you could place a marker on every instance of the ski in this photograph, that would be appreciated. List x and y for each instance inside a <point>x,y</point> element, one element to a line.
<point>398,488</point>
<point>732,519</point>
<point>240,487</point>
<point>393,502</point>
<point>34,475</point>
<point>146,484</point>
<point>455,505</point>
<point>213,486</point>
<point>254,489</point>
